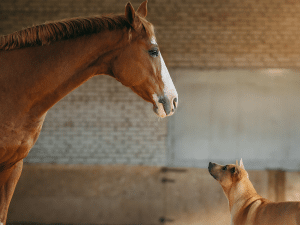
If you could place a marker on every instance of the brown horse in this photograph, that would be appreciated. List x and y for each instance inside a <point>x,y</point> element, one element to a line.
<point>42,64</point>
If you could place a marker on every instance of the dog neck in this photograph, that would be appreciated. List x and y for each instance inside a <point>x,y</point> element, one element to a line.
<point>240,195</point>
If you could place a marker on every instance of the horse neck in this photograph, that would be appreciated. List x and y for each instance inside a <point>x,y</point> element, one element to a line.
<point>43,75</point>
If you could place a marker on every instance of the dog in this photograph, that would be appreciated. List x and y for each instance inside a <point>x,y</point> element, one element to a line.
<point>245,205</point>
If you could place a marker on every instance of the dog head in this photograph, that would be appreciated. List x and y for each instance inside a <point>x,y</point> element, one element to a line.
<point>227,175</point>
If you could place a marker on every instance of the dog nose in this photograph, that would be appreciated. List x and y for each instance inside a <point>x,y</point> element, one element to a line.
<point>210,165</point>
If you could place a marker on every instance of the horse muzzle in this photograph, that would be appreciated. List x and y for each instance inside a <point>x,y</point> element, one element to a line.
<point>165,105</point>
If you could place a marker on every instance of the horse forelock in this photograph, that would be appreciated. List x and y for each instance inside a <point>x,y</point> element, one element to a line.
<point>148,27</point>
<point>48,33</point>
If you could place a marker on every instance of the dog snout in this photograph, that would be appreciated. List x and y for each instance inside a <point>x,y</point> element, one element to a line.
<point>210,169</point>
<point>211,165</point>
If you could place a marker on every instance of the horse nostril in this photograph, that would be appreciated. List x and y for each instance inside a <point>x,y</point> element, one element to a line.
<point>174,103</point>
<point>162,100</point>
<point>166,104</point>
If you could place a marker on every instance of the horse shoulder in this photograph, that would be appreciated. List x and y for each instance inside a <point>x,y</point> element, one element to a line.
<point>16,140</point>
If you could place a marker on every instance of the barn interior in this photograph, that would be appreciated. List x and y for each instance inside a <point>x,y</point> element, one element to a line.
<point>104,157</point>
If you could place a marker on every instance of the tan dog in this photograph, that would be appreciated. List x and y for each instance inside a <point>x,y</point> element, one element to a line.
<point>245,205</point>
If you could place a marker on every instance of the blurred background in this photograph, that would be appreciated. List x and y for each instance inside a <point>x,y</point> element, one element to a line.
<point>103,157</point>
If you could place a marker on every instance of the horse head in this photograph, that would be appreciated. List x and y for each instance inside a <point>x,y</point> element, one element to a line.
<point>141,67</point>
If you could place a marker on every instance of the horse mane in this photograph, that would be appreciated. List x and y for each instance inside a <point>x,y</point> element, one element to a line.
<point>48,33</point>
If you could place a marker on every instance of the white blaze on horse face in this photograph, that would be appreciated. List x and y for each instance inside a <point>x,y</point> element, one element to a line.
<point>169,89</point>
<point>153,41</point>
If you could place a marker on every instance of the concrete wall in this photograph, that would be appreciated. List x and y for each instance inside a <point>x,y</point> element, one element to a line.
<point>118,194</point>
<point>226,115</point>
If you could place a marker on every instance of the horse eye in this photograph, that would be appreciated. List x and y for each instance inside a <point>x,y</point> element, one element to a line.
<point>224,168</point>
<point>153,52</point>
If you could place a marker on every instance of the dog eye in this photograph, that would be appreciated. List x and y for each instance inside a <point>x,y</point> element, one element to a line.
<point>224,168</point>
<point>153,52</point>
<point>232,170</point>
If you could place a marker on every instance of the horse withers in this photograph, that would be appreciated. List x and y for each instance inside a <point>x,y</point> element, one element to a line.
<point>42,64</point>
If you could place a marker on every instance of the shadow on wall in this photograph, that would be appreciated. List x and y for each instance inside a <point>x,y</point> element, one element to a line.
<point>116,194</point>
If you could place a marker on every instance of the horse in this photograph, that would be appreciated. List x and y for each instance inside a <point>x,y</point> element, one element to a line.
<point>42,64</point>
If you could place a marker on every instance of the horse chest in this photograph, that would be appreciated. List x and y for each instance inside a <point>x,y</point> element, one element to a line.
<point>16,141</point>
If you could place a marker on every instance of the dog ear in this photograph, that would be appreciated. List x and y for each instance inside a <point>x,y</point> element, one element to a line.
<point>242,164</point>
<point>236,169</point>
<point>237,164</point>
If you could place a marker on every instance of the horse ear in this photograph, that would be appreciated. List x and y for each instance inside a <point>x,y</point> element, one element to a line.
<point>129,13</point>
<point>142,10</point>
<point>242,164</point>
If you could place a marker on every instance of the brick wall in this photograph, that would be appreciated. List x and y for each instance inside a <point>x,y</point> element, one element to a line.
<point>104,122</point>
<point>191,33</point>
<point>229,33</point>
<point>101,122</point>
